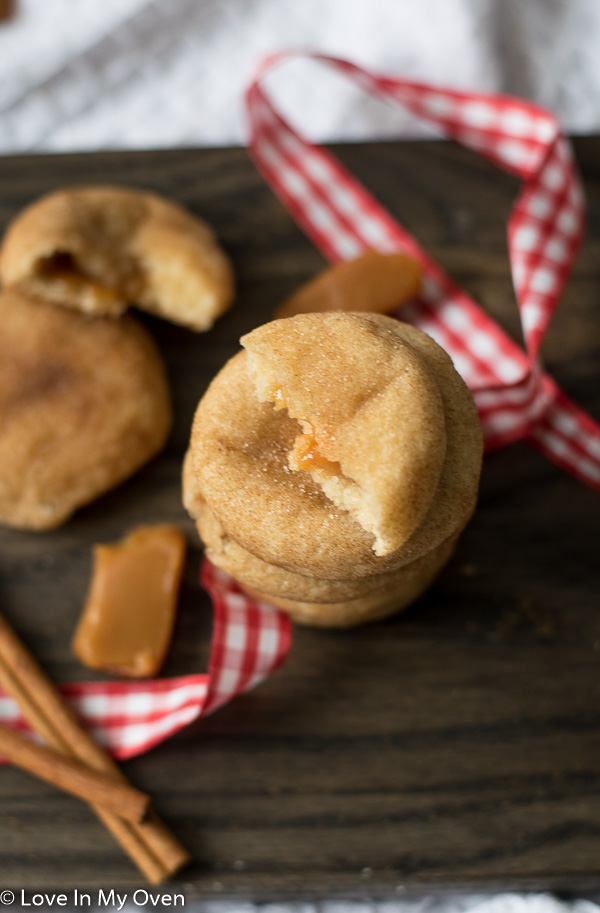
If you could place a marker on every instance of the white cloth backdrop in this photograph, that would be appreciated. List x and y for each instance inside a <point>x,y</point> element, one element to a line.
<point>108,74</point>
<point>98,74</point>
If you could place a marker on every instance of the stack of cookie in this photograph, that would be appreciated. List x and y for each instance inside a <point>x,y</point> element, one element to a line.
<point>333,464</point>
<point>83,397</point>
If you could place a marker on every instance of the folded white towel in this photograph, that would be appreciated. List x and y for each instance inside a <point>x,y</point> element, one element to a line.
<point>157,73</point>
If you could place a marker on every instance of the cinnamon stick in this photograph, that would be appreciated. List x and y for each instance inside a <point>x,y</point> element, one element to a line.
<point>73,776</point>
<point>150,844</point>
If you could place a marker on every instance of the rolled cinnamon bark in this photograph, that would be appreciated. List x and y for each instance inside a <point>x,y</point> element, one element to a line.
<point>72,776</point>
<point>150,844</point>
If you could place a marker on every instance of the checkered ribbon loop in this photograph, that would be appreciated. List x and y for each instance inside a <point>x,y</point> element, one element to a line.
<point>250,640</point>
<point>514,396</point>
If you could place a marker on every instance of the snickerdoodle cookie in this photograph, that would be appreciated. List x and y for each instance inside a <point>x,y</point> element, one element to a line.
<point>374,460</point>
<point>100,249</point>
<point>83,404</point>
<point>300,591</point>
<point>401,588</point>
<point>334,463</point>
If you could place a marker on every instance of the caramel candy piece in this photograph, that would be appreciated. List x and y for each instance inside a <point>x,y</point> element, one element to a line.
<point>128,618</point>
<point>377,283</point>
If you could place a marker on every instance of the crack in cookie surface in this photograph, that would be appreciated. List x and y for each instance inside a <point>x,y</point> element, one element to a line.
<point>374,434</point>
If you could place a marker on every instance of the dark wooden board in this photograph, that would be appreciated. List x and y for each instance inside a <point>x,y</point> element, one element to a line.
<point>457,745</point>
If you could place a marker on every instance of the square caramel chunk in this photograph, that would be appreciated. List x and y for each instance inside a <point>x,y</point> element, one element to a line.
<point>127,621</point>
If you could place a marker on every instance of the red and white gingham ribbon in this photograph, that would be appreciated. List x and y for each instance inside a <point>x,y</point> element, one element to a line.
<point>514,397</point>
<point>250,640</point>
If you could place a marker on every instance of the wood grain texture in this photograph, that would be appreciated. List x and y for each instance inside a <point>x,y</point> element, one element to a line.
<point>457,745</point>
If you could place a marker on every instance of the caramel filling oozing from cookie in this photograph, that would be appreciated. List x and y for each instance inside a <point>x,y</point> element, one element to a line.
<point>307,457</point>
<point>128,618</point>
<point>69,279</point>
